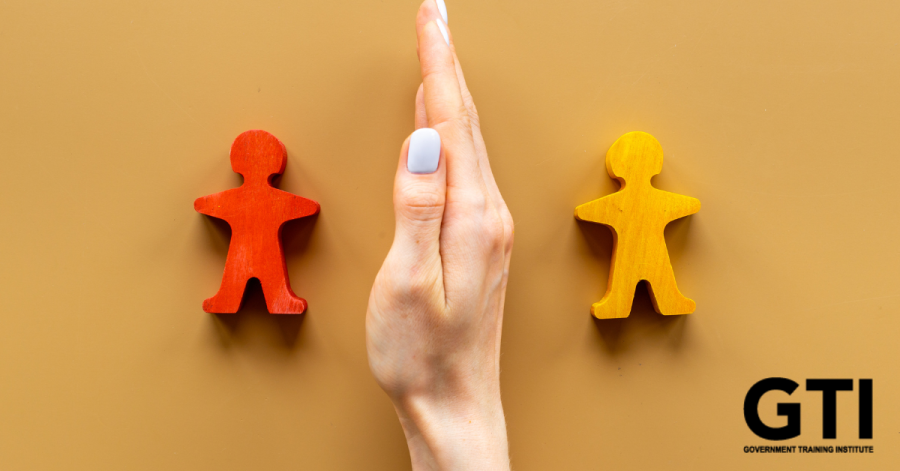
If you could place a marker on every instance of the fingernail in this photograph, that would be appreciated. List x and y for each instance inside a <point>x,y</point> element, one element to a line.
<point>443,31</point>
<point>424,151</point>
<point>442,7</point>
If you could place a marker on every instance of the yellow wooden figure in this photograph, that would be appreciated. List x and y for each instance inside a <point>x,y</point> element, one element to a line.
<point>637,214</point>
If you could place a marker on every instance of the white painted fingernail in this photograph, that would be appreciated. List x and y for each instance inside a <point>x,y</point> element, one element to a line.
<point>424,151</point>
<point>442,7</point>
<point>443,31</point>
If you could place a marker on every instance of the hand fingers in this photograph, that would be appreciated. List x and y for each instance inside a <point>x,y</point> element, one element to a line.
<point>421,117</point>
<point>473,193</point>
<point>488,176</point>
<point>429,10</point>
<point>445,109</point>
<point>483,161</point>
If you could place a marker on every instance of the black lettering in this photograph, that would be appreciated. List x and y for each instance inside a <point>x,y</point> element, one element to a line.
<point>865,408</point>
<point>829,388</point>
<point>791,410</point>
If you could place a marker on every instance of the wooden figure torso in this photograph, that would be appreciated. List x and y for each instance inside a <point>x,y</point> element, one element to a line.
<point>638,214</point>
<point>256,212</point>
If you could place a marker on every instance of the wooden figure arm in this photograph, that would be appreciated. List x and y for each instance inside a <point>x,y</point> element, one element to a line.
<point>595,211</point>
<point>679,206</point>
<point>301,207</point>
<point>209,206</point>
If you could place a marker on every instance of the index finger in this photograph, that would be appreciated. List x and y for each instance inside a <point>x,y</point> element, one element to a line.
<point>445,108</point>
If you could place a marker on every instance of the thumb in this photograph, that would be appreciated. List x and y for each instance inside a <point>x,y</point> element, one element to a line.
<point>420,192</point>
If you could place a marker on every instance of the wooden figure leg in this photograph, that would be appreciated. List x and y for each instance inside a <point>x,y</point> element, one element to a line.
<point>228,299</point>
<point>616,303</point>
<point>667,300</point>
<point>280,298</point>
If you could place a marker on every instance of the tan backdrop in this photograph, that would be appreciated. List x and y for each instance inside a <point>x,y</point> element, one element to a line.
<point>780,116</point>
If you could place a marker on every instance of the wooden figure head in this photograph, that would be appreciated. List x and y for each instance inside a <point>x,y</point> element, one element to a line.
<point>635,157</point>
<point>258,155</point>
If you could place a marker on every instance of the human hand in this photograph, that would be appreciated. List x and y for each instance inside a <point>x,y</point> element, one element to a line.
<point>435,312</point>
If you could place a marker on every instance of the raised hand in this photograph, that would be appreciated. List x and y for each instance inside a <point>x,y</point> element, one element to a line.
<point>436,309</point>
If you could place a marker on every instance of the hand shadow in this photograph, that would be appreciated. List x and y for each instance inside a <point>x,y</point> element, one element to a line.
<point>616,336</point>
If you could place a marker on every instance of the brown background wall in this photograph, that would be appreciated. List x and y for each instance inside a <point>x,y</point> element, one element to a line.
<point>780,116</point>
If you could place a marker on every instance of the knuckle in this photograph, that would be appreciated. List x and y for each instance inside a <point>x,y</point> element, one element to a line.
<point>508,227</point>
<point>467,97</point>
<point>471,110</point>
<point>462,121</point>
<point>494,231</point>
<point>419,200</point>
<point>424,194</point>
<point>474,120</point>
<point>456,124</point>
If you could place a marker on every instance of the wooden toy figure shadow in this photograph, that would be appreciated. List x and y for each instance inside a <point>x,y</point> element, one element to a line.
<point>637,214</point>
<point>256,212</point>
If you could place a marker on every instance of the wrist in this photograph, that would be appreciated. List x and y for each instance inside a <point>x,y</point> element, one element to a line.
<point>455,432</point>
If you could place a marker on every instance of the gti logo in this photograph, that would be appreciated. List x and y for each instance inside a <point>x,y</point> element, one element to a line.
<point>791,410</point>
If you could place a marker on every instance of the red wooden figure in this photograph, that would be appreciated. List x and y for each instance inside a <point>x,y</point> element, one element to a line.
<point>256,212</point>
